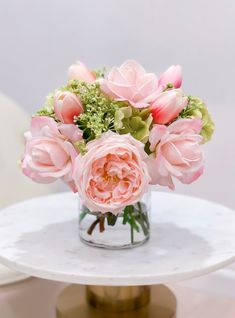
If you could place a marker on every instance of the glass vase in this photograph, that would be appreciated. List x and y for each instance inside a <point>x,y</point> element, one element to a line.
<point>128,229</point>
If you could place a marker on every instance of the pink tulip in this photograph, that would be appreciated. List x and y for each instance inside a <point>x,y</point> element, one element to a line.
<point>66,106</point>
<point>176,152</point>
<point>80,73</point>
<point>49,154</point>
<point>131,83</point>
<point>173,75</point>
<point>168,105</point>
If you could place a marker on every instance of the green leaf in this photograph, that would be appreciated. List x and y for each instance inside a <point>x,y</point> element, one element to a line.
<point>139,218</point>
<point>128,217</point>
<point>111,218</point>
<point>134,225</point>
<point>82,215</point>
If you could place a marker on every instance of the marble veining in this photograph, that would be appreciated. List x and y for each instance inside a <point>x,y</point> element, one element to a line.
<point>189,237</point>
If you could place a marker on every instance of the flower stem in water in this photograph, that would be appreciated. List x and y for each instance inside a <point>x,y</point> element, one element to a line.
<point>101,224</point>
<point>92,226</point>
<point>132,234</point>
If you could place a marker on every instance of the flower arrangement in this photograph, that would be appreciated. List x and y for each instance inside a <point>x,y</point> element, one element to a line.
<point>109,136</point>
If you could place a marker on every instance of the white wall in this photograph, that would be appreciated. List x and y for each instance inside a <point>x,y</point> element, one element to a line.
<point>40,39</point>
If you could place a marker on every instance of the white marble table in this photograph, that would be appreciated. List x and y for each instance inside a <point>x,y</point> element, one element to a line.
<point>189,237</point>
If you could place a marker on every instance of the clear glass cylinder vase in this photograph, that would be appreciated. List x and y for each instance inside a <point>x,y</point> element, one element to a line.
<point>128,229</point>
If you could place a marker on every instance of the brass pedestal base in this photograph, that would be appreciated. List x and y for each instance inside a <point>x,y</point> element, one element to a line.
<point>118,299</point>
<point>78,301</point>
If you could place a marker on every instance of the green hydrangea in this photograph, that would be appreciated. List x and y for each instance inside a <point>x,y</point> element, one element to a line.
<point>134,121</point>
<point>196,108</point>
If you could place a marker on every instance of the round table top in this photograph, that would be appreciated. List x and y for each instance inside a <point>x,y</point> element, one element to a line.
<point>189,237</point>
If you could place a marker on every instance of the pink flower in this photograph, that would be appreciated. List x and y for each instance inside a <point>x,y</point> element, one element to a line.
<point>173,75</point>
<point>112,174</point>
<point>131,83</point>
<point>168,105</point>
<point>80,73</point>
<point>176,152</point>
<point>49,155</point>
<point>71,132</point>
<point>66,106</point>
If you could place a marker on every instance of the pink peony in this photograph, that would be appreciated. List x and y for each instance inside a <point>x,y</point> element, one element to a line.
<point>173,75</point>
<point>176,152</point>
<point>49,155</point>
<point>131,83</point>
<point>80,73</point>
<point>168,105</point>
<point>112,174</point>
<point>66,106</point>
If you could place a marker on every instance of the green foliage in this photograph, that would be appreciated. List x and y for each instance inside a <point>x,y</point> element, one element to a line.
<point>48,107</point>
<point>135,216</point>
<point>99,110</point>
<point>196,108</point>
<point>102,114</point>
<point>111,218</point>
<point>147,148</point>
<point>135,121</point>
<point>129,217</point>
<point>100,72</point>
<point>81,146</point>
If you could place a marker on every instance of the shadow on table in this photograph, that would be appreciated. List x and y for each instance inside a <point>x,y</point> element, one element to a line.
<point>57,249</point>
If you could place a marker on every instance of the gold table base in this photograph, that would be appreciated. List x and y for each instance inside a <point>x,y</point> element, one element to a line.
<point>79,301</point>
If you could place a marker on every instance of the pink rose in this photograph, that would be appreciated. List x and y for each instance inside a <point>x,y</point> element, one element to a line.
<point>173,75</point>
<point>131,83</point>
<point>112,174</point>
<point>80,73</point>
<point>49,155</point>
<point>71,132</point>
<point>176,152</point>
<point>66,106</point>
<point>168,105</point>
